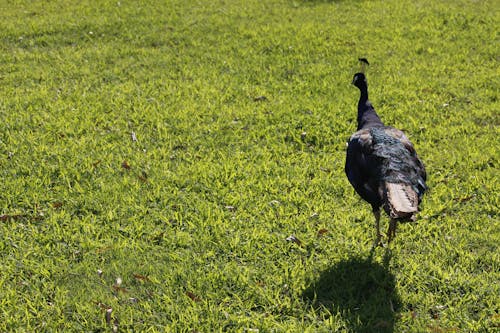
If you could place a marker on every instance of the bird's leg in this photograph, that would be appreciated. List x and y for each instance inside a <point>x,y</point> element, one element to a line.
<point>376,213</point>
<point>391,232</point>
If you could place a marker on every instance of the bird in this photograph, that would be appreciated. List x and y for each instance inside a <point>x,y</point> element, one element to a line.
<point>382,165</point>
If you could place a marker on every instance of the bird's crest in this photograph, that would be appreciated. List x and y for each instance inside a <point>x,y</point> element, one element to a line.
<point>364,63</point>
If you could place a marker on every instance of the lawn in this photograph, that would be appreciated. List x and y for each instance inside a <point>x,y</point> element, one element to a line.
<point>177,166</point>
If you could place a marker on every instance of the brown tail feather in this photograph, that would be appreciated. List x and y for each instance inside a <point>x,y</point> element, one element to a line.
<point>400,201</point>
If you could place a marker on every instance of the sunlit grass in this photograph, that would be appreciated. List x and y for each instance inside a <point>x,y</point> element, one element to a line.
<point>155,158</point>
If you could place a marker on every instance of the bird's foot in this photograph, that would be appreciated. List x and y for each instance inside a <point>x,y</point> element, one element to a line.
<point>378,241</point>
<point>391,232</point>
<point>390,237</point>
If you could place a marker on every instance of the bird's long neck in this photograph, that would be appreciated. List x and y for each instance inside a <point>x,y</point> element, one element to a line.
<point>367,117</point>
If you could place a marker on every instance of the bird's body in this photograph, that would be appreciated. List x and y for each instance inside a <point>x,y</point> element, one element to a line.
<point>382,165</point>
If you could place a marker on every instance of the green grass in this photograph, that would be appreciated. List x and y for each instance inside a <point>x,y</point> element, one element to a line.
<point>240,111</point>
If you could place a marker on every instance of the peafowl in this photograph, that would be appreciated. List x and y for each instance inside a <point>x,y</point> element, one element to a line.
<point>382,165</point>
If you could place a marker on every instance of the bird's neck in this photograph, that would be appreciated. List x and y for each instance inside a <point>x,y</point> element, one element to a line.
<point>367,117</point>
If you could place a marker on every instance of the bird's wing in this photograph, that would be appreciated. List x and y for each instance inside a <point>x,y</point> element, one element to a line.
<point>358,148</point>
<point>359,166</point>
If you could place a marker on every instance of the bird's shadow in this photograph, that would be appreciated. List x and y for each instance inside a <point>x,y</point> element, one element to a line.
<point>361,290</point>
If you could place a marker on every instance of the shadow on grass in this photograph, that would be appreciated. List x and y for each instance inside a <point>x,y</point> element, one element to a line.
<point>362,291</point>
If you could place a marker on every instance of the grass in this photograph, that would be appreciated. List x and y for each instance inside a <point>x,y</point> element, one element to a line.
<point>155,158</point>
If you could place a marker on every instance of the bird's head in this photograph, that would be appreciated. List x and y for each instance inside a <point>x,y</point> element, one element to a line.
<point>359,80</point>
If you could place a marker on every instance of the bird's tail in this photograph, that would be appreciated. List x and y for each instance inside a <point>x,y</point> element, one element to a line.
<point>400,201</point>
